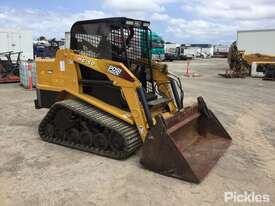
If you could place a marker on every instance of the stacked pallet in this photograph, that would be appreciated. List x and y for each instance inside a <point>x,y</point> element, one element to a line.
<point>27,71</point>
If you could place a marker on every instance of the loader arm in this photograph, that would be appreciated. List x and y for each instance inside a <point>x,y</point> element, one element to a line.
<point>71,81</point>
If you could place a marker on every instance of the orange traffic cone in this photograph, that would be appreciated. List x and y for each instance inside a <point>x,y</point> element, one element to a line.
<point>30,76</point>
<point>187,73</point>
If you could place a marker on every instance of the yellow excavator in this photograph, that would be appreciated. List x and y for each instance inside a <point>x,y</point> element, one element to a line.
<point>107,97</point>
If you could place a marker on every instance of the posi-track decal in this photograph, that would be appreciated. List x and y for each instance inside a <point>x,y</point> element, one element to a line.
<point>114,70</point>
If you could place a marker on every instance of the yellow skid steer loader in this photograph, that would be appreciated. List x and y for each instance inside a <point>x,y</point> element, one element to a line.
<point>107,97</point>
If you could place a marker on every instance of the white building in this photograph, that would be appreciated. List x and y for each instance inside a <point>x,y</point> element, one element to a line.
<point>17,40</point>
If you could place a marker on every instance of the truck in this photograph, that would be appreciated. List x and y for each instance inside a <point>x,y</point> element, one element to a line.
<point>190,51</point>
<point>157,49</point>
<point>170,51</point>
<point>221,51</point>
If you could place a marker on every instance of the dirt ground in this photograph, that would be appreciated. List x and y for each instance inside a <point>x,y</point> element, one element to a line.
<point>33,172</point>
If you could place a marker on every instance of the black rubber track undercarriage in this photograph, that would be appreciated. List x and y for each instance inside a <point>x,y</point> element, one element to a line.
<point>80,126</point>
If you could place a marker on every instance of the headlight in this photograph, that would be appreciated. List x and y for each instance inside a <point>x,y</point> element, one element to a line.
<point>145,24</point>
<point>131,23</point>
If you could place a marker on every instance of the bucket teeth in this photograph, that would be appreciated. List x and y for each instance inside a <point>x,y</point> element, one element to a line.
<point>187,145</point>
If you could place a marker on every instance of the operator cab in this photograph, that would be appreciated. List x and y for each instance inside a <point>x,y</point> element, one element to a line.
<point>119,39</point>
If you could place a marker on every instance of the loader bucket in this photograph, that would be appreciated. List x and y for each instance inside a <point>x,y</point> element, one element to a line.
<point>186,145</point>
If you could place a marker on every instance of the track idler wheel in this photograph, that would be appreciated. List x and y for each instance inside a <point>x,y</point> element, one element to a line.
<point>72,136</point>
<point>117,143</point>
<point>86,138</point>
<point>101,141</point>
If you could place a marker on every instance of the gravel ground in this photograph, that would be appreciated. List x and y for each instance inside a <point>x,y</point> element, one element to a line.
<point>33,172</point>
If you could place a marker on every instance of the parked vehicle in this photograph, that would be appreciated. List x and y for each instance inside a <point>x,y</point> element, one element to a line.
<point>157,47</point>
<point>190,51</point>
<point>170,51</point>
<point>46,48</point>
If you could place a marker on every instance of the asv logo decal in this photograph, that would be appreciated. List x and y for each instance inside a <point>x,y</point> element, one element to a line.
<point>114,70</point>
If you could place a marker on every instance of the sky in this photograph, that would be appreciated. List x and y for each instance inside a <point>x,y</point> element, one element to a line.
<point>179,21</point>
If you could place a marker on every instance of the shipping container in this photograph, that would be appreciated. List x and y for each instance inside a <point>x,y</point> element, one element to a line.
<point>257,41</point>
<point>17,40</point>
<point>67,40</point>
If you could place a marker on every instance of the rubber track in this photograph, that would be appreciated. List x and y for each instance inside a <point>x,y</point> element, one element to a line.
<point>89,113</point>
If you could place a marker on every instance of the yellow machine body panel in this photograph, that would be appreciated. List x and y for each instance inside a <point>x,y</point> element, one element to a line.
<point>62,74</point>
